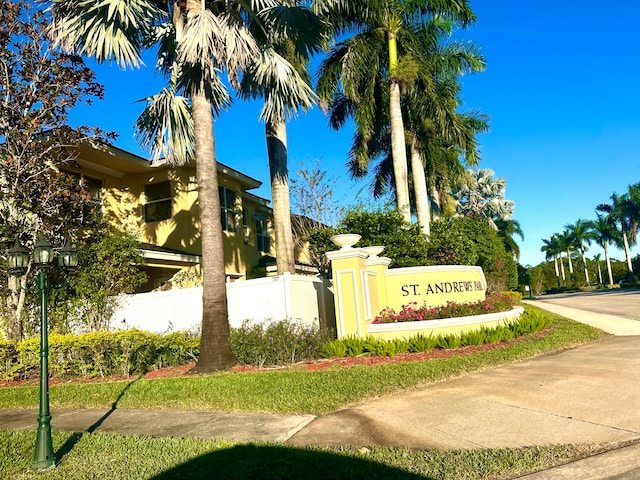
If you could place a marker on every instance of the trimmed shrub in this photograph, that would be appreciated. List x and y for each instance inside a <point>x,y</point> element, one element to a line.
<point>277,343</point>
<point>99,354</point>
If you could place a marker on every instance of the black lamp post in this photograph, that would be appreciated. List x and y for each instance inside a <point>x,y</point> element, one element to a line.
<point>18,259</point>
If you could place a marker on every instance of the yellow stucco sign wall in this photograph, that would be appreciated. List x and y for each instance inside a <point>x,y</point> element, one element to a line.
<point>434,285</point>
<point>364,286</point>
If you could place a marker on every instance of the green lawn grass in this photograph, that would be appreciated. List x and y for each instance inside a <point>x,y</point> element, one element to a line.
<point>89,456</point>
<point>114,457</point>
<point>293,390</point>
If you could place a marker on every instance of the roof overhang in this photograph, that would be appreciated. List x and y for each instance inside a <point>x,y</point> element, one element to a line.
<point>170,258</point>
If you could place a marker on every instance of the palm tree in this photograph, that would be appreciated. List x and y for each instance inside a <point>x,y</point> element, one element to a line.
<point>623,211</point>
<point>280,76</point>
<point>376,29</point>
<point>506,230</point>
<point>483,195</point>
<point>551,249</point>
<point>580,233</point>
<point>596,258</point>
<point>606,233</point>
<point>437,134</point>
<point>430,107</point>
<point>566,241</point>
<point>196,41</point>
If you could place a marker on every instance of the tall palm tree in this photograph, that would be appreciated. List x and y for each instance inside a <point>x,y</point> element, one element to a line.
<point>197,41</point>
<point>606,233</point>
<point>282,52</point>
<point>623,211</point>
<point>581,233</point>
<point>565,239</point>
<point>375,29</point>
<point>596,258</point>
<point>437,135</point>
<point>430,108</point>
<point>551,249</point>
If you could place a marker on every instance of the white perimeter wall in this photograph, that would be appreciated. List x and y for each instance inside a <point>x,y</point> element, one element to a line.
<point>293,297</point>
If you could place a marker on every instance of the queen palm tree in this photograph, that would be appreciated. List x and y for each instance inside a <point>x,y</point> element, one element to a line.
<point>375,29</point>
<point>197,41</point>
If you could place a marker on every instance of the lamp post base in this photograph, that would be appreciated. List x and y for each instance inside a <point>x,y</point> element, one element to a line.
<point>44,458</point>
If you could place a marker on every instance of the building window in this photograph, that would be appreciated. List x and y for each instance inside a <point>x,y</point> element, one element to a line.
<point>93,186</point>
<point>263,241</point>
<point>157,201</point>
<point>229,215</point>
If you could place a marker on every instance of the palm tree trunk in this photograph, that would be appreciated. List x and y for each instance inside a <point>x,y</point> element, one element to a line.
<point>606,256</point>
<point>564,278</point>
<point>586,270</point>
<point>555,264</point>
<point>277,152</point>
<point>435,199</point>
<point>420,189</point>
<point>599,272</point>
<point>570,262</point>
<point>398,144</point>
<point>215,346</point>
<point>627,252</point>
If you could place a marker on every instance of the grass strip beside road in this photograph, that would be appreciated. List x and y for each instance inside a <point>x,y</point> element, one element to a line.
<point>294,390</point>
<point>83,456</point>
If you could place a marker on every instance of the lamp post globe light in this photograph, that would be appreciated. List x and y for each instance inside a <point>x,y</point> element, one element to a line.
<point>18,259</point>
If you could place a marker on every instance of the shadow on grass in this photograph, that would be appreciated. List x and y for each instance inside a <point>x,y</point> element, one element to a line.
<point>76,437</point>
<point>282,463</point>
<point>114,406</point>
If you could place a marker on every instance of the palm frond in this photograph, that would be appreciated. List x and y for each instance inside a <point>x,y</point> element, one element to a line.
<point>284,90</point>
<point>165,127</point>
<point>106,30</point>
<point>294,22</point>
<point>215,41</point>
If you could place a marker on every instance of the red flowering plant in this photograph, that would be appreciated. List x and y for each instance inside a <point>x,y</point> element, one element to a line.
<point>411,312</point>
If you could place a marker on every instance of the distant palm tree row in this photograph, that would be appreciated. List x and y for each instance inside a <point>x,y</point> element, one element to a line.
<point>616,224</point>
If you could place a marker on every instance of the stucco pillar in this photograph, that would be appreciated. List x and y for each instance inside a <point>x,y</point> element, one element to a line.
<point>376,289</point>
<point>349,271</point>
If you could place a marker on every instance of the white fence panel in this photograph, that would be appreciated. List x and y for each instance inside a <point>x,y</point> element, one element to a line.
<point>160,312</point>
<point>291,297</point>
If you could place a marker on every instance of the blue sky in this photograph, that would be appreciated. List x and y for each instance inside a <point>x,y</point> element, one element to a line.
<point>561,88</point>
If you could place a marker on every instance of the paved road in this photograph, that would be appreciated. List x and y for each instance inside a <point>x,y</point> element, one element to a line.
<point>622,303</point>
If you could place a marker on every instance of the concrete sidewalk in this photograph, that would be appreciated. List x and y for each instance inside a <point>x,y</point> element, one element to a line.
<point>613,324</point>
<point>589,394</point>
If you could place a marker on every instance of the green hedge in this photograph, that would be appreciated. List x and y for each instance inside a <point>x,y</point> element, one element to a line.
<point>98,354</point>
